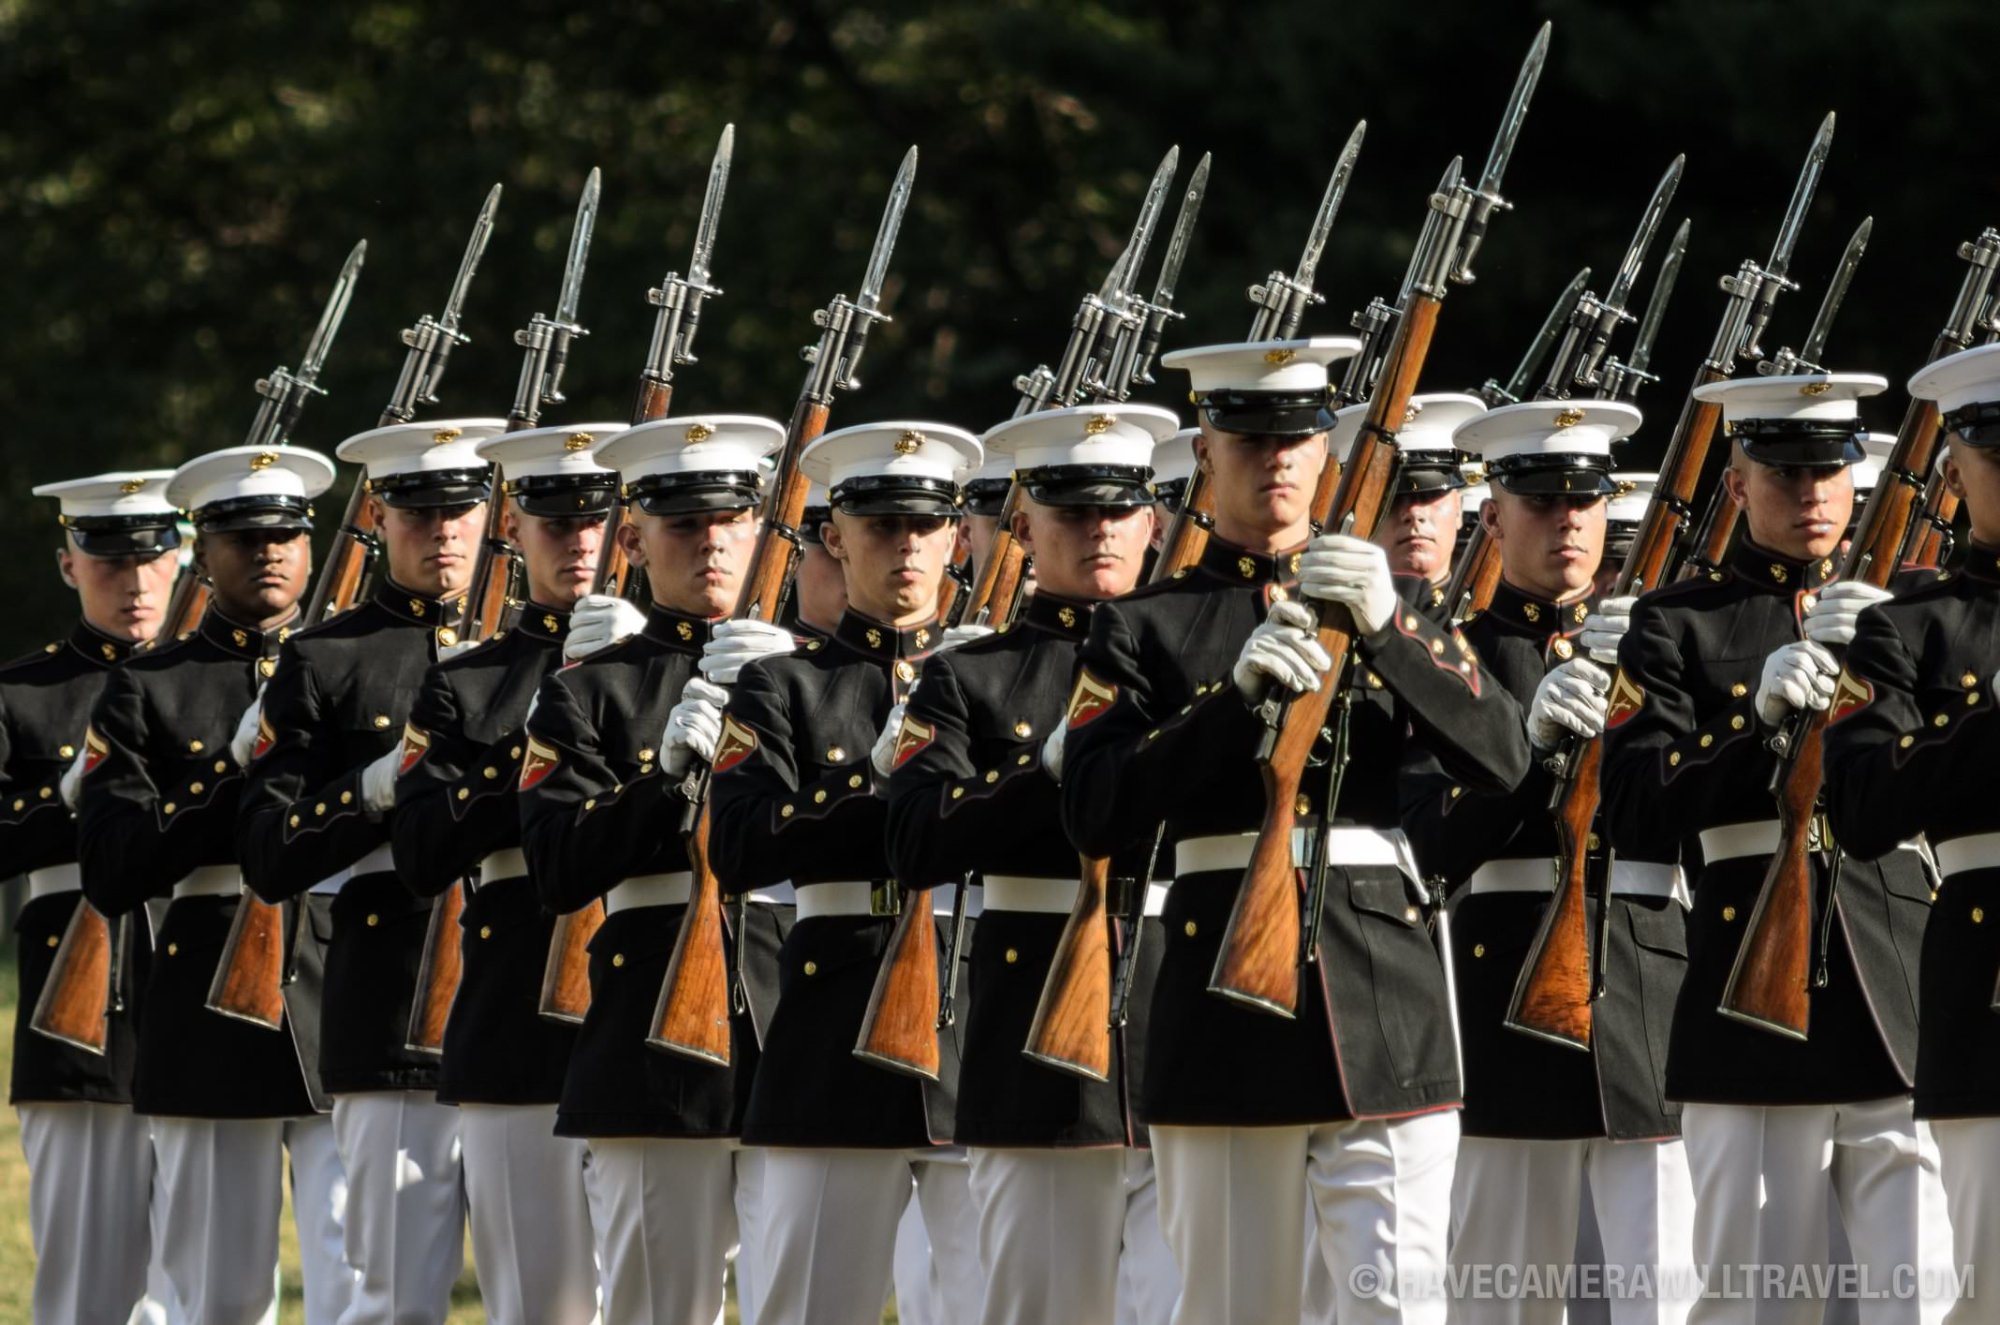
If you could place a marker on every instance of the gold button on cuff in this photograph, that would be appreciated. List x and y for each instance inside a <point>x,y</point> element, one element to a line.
<point>1968,680</point>
<point>1940,720</point>
<point>1736,723</point>
<point>811,968</point>
<point>1729,913</point>
<point>854,781</point>
<point>992,776</point>
<point>785,811</point>
<point>1707,739</point>
<point>1479,949</point>
<point>45,793</point>
<point>195,788</point>
<point>19,805</point>
<point>1023,761</point>
<point>590,804</point>
<point>490,772</point>
<point>1013,955</point>
<point>1906,742</point>
<point>347,798</point>
<point>463,793</point>
<point>1674,759</point>
<point>617,959</point>
<point>320,808</point>
<point>957,792</point>
<point>173,950</point>
<point>374,920</point>
<point>169,807</point>
<point>1190,928</point>
<point>819,797</point>
<point>486,931</point>
<point>646,755</point>
<point>294,821</point>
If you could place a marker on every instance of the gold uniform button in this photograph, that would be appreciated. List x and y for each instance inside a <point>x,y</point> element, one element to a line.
<point>221,766</point>
<point>819,797</point>
<point>463,793</point>
<point>173,950</point>
<point>1707,739</point>
<point>1940,720</point>
<point>19,805</point>
<point>1968,680</point>
<point>835,754</point>
<point>1190,928</point>
<point>1907,742</point>
<point>1479,949</point>
<point>957,792</point>
<point>195,788</point>
<point>905,672</point>
<point>1563,648</point>
<point>1023,730</point>
<point>1972,698</point>
<point>486,931</point>
<point>617,959</point>
<point>646,755</point>
<point>374,920</point>
<point>590,804</point>
<point>1594,843</point>
<point>447,636</point>
<point>1303,805</point>
<point>294,821</point>
<point>645,769</point>
<point>785,811</point>
<point>1013,955</point>
<point>992,776</point>
<point>854,781</point>
<point>1023,761</point>
<point>44,793</point>
<point>811,968</point>
<point>489,772</point>
<point>1729,913</point>
<point>320,808</point>
<point>195,747</point>
<point>514,752</point>
<point>1739,690</point>
<point>53,940</point>
<point>347,798</point>
<point>1736,723</point>
<point>1978,915</point>
<point>1674,759</point>
<point>1410,915</point>
<point>169,807</point>
<point>381,719</point>
<point>67,751</point>
<point>1456,792</point>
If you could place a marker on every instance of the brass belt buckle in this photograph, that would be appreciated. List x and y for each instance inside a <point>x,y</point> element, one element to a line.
<point>885,899</point>
<point>1819,834</point>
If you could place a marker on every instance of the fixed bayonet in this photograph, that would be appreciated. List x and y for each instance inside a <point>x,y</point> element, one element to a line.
<point>1604,316</point>
<point>844,325</point>
<point>285,392</point>
<point>1160,308</point>
<point>1282,300</point>
<point>1485,199</point>
<point>1377,322</point>
<point>1110,354</point>
<point>1623,380</point>
<point>1496,393</point>
<point>547,340</point>
<point>1754,290</point>
<point>1809,358</point>
<point>677,297</point>
<point>430,342</point>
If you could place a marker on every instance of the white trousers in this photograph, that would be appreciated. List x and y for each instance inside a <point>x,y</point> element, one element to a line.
<point>666,1217</point>
<point>90,1192</point>
<point>751,1268</point>
<point>913,1277</point>
<point>830,1233</point>
<point>1148,1280</point>
<point>405,1205</point>
<point>1969,1149</point>
<point>222,1182</point>
<point>1761,1179</point>
<point>530,1218</point>
<point>1516,1204</point>
<point>1233,1203</point>
<point>1050,1226</point>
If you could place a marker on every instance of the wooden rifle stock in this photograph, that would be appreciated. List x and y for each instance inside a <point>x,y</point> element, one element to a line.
<point>75,1002</point>
<point>249,983</point>
<point>1187,536</point>
<point>1552,993</point>
<point>998,590</point>
<point>1933,531</point>
<point>1770,983</point>
<point>189,601</point>
<point>1072,1026</point>
<point>1475,577</point>
<point>438,973</point>
<point>1259,961</point>
<point>338,586</point>
<point>692,1014</point>
<point>899,1030</point>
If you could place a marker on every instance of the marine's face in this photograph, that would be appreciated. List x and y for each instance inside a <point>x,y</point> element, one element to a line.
<point>1797,511</point>
<point>695,562</point>
<point>820,588</point>
<point>257,575</point>
<point>559,552</point>
<point>1973,474</point>
<point>1550,546</point>
<point>894,564</point>
<point>125,597</point>
<point>1419,533</point>
<point>431,549</point>
<point>1086,552</point>
<point>1263,485</point>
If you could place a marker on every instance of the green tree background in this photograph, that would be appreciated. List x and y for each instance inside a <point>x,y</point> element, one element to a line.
<point>179,183</point>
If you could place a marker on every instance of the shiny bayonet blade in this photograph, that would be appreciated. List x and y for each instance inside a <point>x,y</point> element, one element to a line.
<point>1118,282</point>
<point>1642,239</point>
<point>1517,112</point>
<point>579,249</point>
<point>711,207</point>
<point>1836,293</point>
<point>1656,305</point>
<point>1802,196</point>
<point>1447,184</point>
<point>1546,338</point>
<point>1329,207</point>
<point>1177,243</point>
<point>885,235</point>
<point>329,318</point>
<point>475,248</point>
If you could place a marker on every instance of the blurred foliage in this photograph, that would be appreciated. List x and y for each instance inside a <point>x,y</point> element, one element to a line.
<point>179,183</point>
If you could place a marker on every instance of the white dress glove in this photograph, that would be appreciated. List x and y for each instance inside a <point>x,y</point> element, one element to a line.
<point>1603,629</point>
<point>1339,568</point>
<point>883,753</point>
<point>694,726</point>
<point>1830,620</point>
<point>1798,676</point>
<point>378,782</point>
<point>1570,698</point>
<point>957,635</point>
<point>245,739</point>
<point>1052,749</point>
<point>598,621</point>
<point>736,644</point>
<point>72,779</point>
<point>1283,649</point>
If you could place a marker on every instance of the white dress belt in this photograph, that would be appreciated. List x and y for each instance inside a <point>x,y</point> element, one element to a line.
<point>1008,892</point>
<point>1537,874</point>
<point>210,881</point>
<point>54,879</point>
<point>506,863</point>
<point>854,897</point>
<point>650,890</point>
<point>778,894</point>
<point>1733,841</point>
<point>1344,846</point>
<point>1649,878</point>
<point>1977,852</point>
